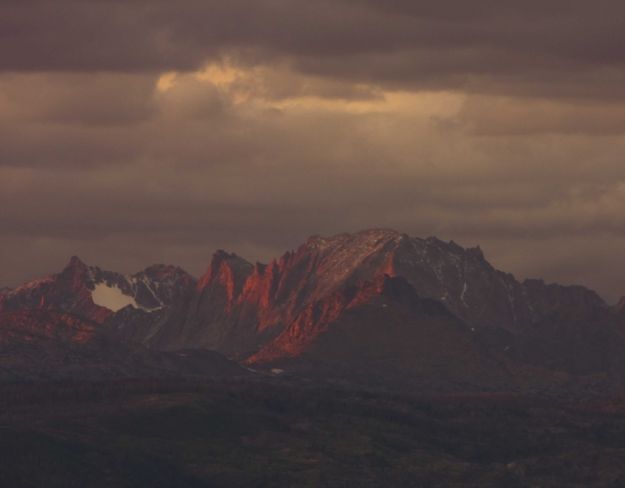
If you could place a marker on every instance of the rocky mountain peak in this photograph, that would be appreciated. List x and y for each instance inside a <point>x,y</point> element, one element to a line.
<point>75,261</point>
<point>163,270</point>
<point>226,268</point>
<point>476,252</point>
<point>76,267</point>
<point>95,294</point>
<point>366,239</point>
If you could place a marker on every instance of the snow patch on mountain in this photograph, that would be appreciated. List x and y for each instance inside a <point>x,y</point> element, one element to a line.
<point>111,297</point>
<point>465,287</point>
<point>149,286</point>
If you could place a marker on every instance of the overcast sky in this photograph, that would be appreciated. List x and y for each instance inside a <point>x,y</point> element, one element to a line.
<point>135,132</point>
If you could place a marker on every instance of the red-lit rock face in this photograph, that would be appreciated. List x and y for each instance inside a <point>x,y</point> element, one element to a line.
<point>316,318</point>
<point>44,325</point>
<point>239,305</point>
<point>225,278</point>
<point>67,291</point>
<point>284,288</point>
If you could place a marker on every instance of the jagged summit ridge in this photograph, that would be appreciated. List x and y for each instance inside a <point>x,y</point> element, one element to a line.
<point>314,294</point>
<point>461,278</point>
<point>238,306</point>
<point>94,294</point>
<point>369,237</point>
<point>440,270</point>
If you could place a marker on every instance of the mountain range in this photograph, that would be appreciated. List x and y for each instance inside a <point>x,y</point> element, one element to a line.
<point>377,307</point>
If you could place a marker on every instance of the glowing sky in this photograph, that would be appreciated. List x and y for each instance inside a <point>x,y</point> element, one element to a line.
<point>134,132</point>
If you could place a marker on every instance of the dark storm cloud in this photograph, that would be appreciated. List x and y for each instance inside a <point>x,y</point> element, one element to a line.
<point>77,98</point>
<point>493,115</point>
<point>80,147</point>
<point>525,46</point>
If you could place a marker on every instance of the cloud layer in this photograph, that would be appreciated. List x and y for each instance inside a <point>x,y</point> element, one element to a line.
<point>144,131</point>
